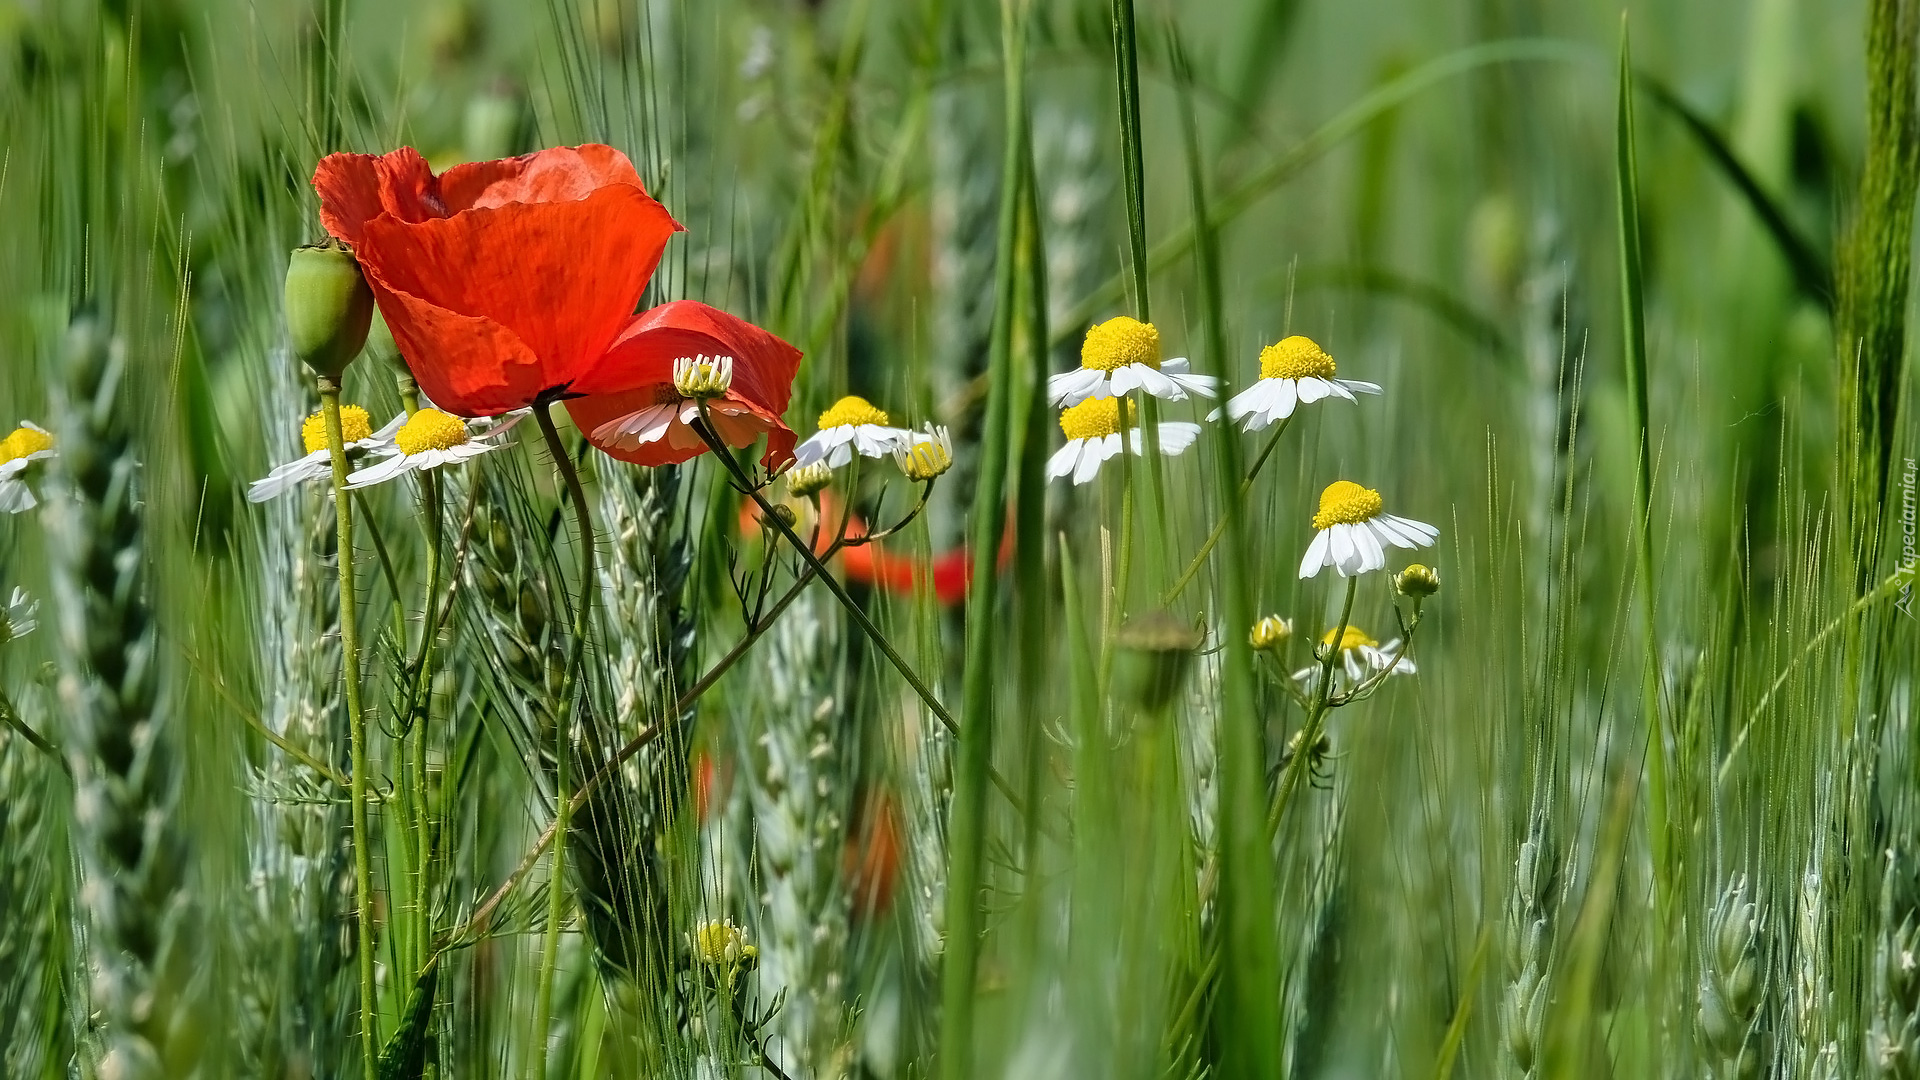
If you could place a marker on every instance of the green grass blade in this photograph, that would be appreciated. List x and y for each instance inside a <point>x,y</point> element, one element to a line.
<point>1246,1023</point>
<point>968,817</point>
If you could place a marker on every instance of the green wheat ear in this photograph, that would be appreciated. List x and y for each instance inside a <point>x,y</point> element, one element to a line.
<point>125,784</point>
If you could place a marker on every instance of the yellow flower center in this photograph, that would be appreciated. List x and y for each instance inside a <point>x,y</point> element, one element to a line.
<point>1346,503</point>
<point>22,442</point>
<point>1352,639</point>
<point>1295,358</point>
<point>430,429</point>
<point>1095,417</point>
<point>851,410</point>
<point>1119,342</point>
<point>354,426</point>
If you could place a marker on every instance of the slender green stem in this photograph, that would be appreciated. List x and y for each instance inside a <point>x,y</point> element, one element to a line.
<point>571,682</point>
<point>1316,717</point>
<point>356,729</point>
<point>1220,530</point>
<point>26,732</point>
<point>420,711</point>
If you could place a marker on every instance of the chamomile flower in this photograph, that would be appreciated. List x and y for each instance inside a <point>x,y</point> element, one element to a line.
<point>17,617</point>
<point>27,444</point>
<point>852,424</point>
<point>1120,356</point>
<point>923,457</point>
<point>1354,532</point>
<point>1294,372</point>
<point>430,439</point>
<point>356,435</point>
<point>1359,657</point>
<point>1093,435</point>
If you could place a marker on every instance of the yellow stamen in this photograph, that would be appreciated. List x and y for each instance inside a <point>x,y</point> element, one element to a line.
<point>354,426</point>
<point>852,410</point>
<point>1095,417</point>
<point>1346,503</point>
<point>1119,342</point>
<point>430,429</point>
<point>1295,358</point>
<point>1354,638</point>
<point>22,442</point>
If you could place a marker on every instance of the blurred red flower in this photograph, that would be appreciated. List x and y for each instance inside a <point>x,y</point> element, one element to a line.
<point>502,281</point>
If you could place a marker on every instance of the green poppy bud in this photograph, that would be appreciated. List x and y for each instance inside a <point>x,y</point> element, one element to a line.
<point>1157,647</point>
<point>329,307</point>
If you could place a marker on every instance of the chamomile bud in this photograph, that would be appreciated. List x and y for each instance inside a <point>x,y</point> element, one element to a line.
<point>719,942</point>
<point>805,480</point>
<point>329,307</point>
<point>1270,633</point>
<point>1417,581</point>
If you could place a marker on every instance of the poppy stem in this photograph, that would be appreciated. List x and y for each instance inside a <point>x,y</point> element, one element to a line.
<point>562,740</point>
<point>1316,717</point>
<point>356,726</point>
<point>860,617</point>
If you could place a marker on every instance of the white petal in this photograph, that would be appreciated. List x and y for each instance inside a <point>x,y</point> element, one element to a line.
<point>873,440</point>
<point>1203,385</point>
<point>1064,459</point>
<point>1359,387</point>
<point>1420,531</point>
<point>1247,401</point>
<point>1158,385</point>
<point>387,430</point>
<point>1176,436</point>
<point>1076,386</point>
<point>822,445</point>
<point>1312,390</point>
<point>386,469</point>
<point>1354,671</point>
<point>1346,557</point>
<point>1316,555</point>
<point>15,496</point>
<point>1176,366</point>
<point>1125,379</point>
<point>1371,555</point>
<point>9,468</point>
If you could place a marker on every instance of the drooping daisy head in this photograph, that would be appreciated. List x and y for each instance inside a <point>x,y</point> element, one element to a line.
<point>22,447</point>
<point>923,457</point>
<point>17,616</point>
<point>429,439</point>
<point>1353,531</point>
<point>1120,356</point>
<point>1093,432</point>
<point>1293,371</point>
<point>1359,655</point>
<point>852,424</point>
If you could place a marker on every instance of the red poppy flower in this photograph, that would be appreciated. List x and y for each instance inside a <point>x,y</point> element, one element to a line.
<point>647,422</point>
<point>502,280</point>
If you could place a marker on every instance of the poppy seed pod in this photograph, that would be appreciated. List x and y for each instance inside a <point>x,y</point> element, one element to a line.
<point>1159,647</point>
<point>329,307</point>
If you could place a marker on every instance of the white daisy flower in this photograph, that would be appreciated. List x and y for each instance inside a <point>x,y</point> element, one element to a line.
<point>923,457</point>
<point>18,451</point>
<point>1120,356</point>
<point>1360,657</point>
<point>1354,532</point>
<point>317,465</point>
<point>430,439</point>
<point>1294,372</point>
<point>1093,435</point>
<point>852,424</point>
<point>17,618</point>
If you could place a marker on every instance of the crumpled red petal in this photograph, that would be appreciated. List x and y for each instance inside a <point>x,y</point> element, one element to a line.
<point>630,375</point>
<point>501,280</point>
